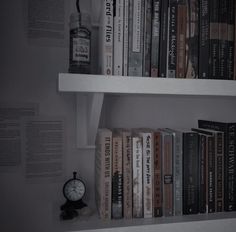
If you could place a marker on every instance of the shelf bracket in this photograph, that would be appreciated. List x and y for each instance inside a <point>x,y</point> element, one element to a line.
<point>88,112</point>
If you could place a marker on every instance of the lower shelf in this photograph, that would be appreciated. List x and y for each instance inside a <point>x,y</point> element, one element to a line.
<point>216,222</point>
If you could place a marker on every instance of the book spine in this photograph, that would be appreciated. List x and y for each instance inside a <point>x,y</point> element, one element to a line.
<point>117,178</point>
<point>106,66</point>
<point>147,38</point>
<point>136,16</point>
<point>219,172</point>
<point>147,174</point>
<point>167,180</point>
<point>118,36</point>
<point>192,39</point>
<point>230,39</point>
<point>211,175</point>
<point>234,62</point>
<point>190,173</point>
<point>126,37</point>
<point>178,174</point>
<point>214,39</point>
<point>127,174</point>
<point>163,38</point>
<point>137,177</point>
<point>231,168</point>
<point>223,34</point>
<point>203,157</point>
<point>204,37</point>
<point>172,39</point>
<point>181,40</point>
<point>157,188</point>
<point>103,175</point>
<point>155,38</point>
<point>229,130</point>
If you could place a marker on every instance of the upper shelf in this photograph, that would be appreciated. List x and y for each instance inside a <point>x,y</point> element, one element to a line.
<point>85,83</point>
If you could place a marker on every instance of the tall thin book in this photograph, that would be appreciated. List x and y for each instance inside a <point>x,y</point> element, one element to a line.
<point>103,174</point>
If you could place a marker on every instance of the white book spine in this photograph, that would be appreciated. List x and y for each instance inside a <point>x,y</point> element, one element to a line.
<point>103,178</point>
<point>137,177</point>
<point>147,174</point>
<point>126,38</point>
<point>106,38</point>
<point>136,17</point>
<point>118,37</point>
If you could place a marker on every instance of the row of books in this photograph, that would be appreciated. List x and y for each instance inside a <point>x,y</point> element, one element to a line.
<point>165,172</point>
<point>168,38</point>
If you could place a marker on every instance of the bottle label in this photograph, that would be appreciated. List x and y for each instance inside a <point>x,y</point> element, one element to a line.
<point>81,49</point>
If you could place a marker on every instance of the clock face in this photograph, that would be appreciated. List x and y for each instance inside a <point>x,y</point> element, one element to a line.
<point>74,190</point>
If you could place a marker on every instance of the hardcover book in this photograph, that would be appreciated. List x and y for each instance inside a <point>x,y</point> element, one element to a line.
<point>229,130</point>
<point>190,173</point>
<point>103,172</point>
<point>203,173</point>
<point>210,168</point>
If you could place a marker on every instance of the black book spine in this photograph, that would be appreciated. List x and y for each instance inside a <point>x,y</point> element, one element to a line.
<point>223,37</point>
<point>211,175</point>
<point>214,39</point>
<point>204,37</point>
<point>231,28</point>
<point>164,38</point>
<point>192,39</point>
<point>202,173</point>
<point>190,173</point>
<point>172,39</point>
<point>219,173</point>
<point>231,168</point>
<point>229,130</point>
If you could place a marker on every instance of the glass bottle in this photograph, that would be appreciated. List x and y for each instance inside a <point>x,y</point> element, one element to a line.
<point>80,42</point>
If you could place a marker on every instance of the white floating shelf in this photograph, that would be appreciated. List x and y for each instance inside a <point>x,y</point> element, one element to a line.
<point>85,83</point>
<point>90,91</point>
<point>216,222</point>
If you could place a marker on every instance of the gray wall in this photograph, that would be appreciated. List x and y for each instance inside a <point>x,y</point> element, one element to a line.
<point>29,73</point>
